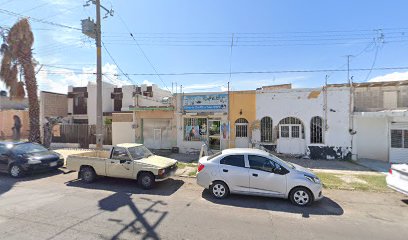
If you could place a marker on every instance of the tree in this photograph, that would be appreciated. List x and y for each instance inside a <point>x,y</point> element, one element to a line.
<point>17,53</point>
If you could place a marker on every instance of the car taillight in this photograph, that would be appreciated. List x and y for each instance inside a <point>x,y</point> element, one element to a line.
<point>200,167</point>
<point>390,171</point>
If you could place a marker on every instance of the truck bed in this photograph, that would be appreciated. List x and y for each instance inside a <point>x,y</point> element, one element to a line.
<point>96,159</point>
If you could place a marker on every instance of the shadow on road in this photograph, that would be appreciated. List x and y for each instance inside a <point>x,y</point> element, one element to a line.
<point>164,188</point>
<point>7,182</point>
<point>325,206</point>
<point>139,226</point>
<point>405,201</point>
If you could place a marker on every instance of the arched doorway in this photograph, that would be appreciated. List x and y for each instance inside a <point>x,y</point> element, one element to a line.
<point>291,136</point>
<point>241,133</point>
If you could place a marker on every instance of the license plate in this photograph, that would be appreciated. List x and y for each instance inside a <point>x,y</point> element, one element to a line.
<point>53,164</point>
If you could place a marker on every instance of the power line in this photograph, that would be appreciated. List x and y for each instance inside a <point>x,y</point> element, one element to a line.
<point>144,54</point>
<point>114,61</point>
<point>10,13</point>
<point>267,72</point>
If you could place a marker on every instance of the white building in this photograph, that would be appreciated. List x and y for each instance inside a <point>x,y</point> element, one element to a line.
<point>314,121</point>
<point>380,121</point>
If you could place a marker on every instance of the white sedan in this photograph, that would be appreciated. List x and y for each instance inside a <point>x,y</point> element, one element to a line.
<point>397,178</point>
<point>256,172</point>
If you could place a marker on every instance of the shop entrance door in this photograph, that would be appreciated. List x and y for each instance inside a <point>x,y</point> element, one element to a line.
<point>214,134</point>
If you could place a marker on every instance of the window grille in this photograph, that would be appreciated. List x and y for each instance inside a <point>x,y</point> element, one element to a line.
<point>266,129</point>
<point>316,130</point>
<point>399,138</point>
<point>241,127</point>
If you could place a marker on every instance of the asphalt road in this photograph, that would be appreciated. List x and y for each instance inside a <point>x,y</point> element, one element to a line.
<point>57,206</point>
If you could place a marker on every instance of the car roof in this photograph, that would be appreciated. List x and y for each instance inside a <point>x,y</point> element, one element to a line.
<point>128,145</point>
<point>12,143</point>
<point>245,151</point>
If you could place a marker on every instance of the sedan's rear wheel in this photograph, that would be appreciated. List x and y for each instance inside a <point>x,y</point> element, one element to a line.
<point>219,189</point>
<point>301,196</point>
<point>16,171</point>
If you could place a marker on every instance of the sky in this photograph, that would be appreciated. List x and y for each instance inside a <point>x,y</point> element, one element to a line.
<point>261,42</point>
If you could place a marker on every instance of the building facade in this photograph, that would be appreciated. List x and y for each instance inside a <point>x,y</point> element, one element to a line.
<point>313,122</point>
<point>242,116</point>
<point>380,121</point>
<point>202,118</point>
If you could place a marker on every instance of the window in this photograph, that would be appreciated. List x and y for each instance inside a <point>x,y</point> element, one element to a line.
<point>291,127</point>
<point>195,129</point>
<point>3,149</point>
<point>399,138</point>
<point>316,130</point>
<point>233,160</point>
<point>241,128</point>
<point>266,129</point>
<point>284,131</point>
<point>261,163</point>
<point>120,154</point>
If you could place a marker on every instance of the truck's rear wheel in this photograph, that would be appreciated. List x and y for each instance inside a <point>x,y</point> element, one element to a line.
<point>88,174</point>
<point>146,180</point>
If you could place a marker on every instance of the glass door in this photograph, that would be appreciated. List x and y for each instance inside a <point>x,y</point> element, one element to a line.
<point>214,134</point>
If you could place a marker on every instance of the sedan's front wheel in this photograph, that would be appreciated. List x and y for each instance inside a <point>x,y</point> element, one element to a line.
<point>16,171</point>
<point>219,189</point>
<point>301,196</point>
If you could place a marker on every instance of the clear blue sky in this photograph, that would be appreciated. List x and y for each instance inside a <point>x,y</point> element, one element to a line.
<point>175,36</point>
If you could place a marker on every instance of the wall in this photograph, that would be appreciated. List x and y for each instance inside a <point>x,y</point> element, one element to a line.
<point>107,103</point>
<point>305,104</point>
<point>53,105</point>
<point>7,122</point>
<point>245,101</point>
<point>371,98</point>
<point>122,128</point>
<point>371,139</point>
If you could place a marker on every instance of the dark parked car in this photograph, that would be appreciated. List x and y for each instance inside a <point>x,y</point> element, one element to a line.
<point>18,158</point>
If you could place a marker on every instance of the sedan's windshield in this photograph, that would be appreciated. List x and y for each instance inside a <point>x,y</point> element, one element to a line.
<point>25,148</point>
<point>140,152</point>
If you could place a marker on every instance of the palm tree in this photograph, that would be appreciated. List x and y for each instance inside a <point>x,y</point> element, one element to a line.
<point>17,53</point>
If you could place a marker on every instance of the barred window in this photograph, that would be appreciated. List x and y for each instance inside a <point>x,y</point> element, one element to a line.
<point>241,127</point>
<point>266,129</point>
<point>399,138</point>
<point>316,130</point>
<point>195,129</point>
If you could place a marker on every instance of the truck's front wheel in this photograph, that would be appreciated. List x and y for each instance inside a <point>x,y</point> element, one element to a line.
<point>146,180</point>
<point>88,174</point>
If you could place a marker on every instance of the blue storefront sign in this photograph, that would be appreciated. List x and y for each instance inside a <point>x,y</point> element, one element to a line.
<point>206,103</point>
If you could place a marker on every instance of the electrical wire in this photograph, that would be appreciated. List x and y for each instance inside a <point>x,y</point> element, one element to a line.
<point>114,61</point>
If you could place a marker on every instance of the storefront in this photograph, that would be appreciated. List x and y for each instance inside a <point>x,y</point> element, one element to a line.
<point>203,119</point>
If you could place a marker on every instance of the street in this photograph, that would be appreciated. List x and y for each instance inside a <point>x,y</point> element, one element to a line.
<point>57,206</point>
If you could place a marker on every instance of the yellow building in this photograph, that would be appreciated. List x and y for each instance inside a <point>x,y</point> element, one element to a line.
<point>242,115</point>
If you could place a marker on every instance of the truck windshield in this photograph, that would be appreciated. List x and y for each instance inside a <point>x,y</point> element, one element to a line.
<point>140,152</point>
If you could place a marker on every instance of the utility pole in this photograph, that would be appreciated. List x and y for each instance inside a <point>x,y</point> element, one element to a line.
<point>99,133</point>
<point>93,30</point>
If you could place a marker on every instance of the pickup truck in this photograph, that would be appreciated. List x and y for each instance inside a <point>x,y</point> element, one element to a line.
<point>126,160</point>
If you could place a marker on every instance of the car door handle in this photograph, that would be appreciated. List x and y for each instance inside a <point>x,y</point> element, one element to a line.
<point>225,170</point>
<point>255,174</point>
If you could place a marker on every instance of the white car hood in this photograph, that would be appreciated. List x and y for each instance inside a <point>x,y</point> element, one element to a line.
<point>301,169</point>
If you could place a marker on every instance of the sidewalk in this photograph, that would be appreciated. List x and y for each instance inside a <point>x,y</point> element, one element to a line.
<point>375,165</point>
